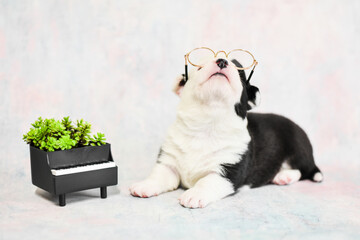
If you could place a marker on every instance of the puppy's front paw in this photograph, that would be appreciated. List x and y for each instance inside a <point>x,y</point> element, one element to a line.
<point>145,189</point>
<point>196,198</point>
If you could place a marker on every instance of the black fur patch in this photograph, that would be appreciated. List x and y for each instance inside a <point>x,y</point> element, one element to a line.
<point>237,172</point>
<point>274,139</point>
<point>182,81</point>
<point>241,107</point>
<point>240,110</point>
<point>251,93</point>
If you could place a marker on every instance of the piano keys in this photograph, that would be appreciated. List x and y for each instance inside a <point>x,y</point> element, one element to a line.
<point>85,168</point>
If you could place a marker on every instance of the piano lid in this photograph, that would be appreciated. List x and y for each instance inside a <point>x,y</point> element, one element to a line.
<point>79,156</point>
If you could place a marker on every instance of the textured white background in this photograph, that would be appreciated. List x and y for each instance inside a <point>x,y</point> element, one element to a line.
<point>113,63</point>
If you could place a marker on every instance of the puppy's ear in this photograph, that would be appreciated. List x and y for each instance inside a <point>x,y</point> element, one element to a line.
<point>253,94</point>
<point>179,84</point>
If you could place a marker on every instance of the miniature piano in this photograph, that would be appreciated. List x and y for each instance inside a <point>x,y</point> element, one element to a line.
<point>72,170</point>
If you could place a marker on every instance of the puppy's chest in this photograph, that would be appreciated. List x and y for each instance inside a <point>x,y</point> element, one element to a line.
<point>201,150</point>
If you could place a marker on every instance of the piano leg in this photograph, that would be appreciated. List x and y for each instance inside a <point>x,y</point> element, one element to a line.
<point>62,201</point>
<point>103,192</point>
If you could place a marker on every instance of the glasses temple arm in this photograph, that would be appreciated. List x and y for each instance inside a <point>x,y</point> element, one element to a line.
<point>251,73</point>
<point>186,69</point>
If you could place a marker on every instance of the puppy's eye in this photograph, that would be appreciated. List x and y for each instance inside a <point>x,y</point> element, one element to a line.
<point>199,68</point>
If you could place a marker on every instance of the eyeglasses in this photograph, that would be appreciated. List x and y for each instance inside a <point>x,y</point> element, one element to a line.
<point>198,56</point>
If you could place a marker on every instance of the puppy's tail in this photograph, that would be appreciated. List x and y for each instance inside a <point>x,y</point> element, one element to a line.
<point>316,175</point>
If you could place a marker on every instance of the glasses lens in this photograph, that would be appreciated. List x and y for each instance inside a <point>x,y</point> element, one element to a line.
<point>200,56</point>
<point>244,58</point>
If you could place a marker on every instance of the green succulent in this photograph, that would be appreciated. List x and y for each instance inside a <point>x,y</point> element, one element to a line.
<point>52,135</point>
<point>65,142</point>
<point>98,139</point>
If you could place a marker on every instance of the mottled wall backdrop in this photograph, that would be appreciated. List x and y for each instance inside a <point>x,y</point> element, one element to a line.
<point>113,63</point>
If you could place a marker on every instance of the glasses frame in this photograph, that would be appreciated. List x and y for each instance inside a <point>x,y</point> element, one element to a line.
<point>187,59</point>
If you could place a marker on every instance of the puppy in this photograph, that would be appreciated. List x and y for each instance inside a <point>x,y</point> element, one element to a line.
<point>216,147</point>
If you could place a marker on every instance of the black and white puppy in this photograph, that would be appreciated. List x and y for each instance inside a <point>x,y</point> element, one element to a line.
<point>215,147</point>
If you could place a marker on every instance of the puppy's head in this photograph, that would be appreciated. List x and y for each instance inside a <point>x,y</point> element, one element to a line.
<point>218,83</point>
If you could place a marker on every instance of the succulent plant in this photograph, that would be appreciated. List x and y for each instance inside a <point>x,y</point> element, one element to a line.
<point>52,135</point>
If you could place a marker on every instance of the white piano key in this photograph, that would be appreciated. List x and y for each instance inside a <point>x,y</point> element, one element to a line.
<point>91,167</point>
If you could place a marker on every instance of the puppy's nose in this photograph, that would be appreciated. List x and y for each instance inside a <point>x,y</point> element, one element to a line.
<point>222,63</point>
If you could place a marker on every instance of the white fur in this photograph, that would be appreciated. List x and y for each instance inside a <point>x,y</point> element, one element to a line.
<point>252,105</point>
<point>318,177</point>
<point>199,143</point>
<point>162,179</point>
<point>244,188</point>
<point>208,189</point>
<point>285,165</point>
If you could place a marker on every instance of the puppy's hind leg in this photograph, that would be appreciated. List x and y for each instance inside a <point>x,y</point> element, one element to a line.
<point>287,176</point>
<point>163,178</point>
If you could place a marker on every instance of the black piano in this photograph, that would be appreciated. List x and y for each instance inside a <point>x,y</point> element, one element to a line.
<point>66,171</point>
